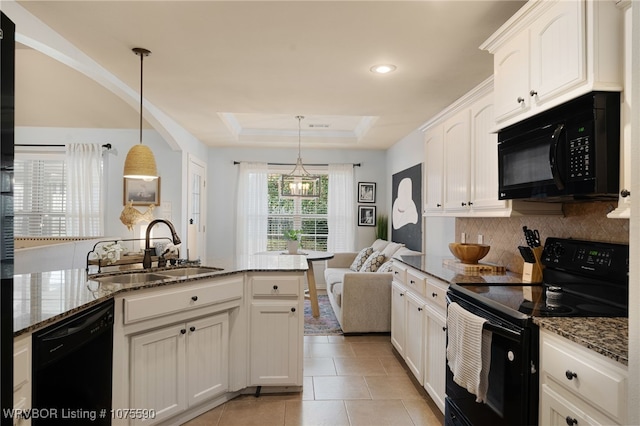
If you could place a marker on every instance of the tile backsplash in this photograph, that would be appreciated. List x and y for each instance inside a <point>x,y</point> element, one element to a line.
<point>585,221</point>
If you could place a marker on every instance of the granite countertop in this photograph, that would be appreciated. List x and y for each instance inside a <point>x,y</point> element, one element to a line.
<point>607,336</point>
<point>42,298</point>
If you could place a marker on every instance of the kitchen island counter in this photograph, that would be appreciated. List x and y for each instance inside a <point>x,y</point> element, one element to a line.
<point>42,298</point>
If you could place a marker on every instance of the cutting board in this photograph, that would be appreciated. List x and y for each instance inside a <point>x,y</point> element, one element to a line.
<point>478,267</point>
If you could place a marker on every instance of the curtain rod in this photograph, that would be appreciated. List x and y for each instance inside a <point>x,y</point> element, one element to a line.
<point>293,164</point>
<point>106,145</point>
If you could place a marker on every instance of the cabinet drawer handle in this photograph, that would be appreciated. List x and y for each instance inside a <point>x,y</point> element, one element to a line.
<point>275,287</point>
<point>293,309</point>
<point>625,193</point>
<point>520,99</point>
<point>194,298</point>
<point>183,331</point>
<point>570,374</point>
<point>434,294</point>
<point>192,329</point>
<point>571,421</point>
<point>532,93</point>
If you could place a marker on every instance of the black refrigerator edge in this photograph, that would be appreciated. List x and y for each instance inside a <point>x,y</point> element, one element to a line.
<point>7,124</point>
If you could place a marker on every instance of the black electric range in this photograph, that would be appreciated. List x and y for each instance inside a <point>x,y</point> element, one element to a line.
<point>580,279</point>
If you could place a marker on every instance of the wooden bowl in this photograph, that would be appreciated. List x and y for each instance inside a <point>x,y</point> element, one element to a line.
<point>469,253</point>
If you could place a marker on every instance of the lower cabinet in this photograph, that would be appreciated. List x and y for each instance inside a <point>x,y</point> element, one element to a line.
<point>415,336</point>
<point>418,327</point>
<point>435,356</point>
<point>579,386</point>
<point>179,366</point>
<point>21,378</point>
<point>276,330</point>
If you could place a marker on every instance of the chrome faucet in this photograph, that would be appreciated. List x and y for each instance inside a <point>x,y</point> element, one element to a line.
<point>146,261</point>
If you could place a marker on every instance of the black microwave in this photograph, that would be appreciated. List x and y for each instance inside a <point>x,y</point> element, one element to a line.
<point>571,152</point>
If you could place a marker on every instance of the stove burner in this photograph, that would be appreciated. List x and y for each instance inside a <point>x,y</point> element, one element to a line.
<point>528,307</point>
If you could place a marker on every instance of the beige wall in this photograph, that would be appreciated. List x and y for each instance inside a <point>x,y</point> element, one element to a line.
<point>587,221</point>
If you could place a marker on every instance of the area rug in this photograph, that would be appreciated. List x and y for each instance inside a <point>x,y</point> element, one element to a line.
<point>326,323</point>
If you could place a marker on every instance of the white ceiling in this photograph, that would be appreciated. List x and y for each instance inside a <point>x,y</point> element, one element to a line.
<point>237,73</point>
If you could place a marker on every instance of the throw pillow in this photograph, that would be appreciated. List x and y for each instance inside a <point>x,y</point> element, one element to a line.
<point>385,267</point>
<point>391,248</point>
<point>379,245</point>
<point>361,258</point>
<point>373,262</point>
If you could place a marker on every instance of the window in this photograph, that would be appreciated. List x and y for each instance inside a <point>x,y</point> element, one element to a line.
<point>309,215</point>
<point>39,195</point>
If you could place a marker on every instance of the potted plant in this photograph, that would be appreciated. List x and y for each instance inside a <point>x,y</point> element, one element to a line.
<point>382,226</point>
<point>293,240</point>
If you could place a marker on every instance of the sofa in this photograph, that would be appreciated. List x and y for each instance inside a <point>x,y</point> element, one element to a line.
<point>359,287</point>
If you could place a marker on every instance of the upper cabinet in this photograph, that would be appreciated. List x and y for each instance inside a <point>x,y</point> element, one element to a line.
<point>461,162</point>
<point>552,51</point>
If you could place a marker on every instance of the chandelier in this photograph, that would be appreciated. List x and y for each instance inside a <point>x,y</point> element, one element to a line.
<point>299,183</point>
<point>140,162</point>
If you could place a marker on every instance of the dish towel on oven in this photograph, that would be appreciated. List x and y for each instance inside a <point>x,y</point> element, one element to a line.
<point>468,350</point>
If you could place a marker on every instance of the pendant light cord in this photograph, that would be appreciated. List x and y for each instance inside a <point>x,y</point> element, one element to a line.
<point>142,52</point>
<point>299,117</point>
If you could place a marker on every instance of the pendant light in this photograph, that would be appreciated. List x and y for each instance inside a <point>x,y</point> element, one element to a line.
<point>299,183</point>
<point>140,162</point>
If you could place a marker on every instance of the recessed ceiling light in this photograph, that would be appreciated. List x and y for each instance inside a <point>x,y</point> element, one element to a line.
<point>383,68</point>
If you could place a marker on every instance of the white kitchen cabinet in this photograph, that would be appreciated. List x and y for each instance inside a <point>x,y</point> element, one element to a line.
<point>578,383</point>
<point>435,355</point>
<point>276,330</point>
<point>434,170</point>
<point>414,326</point>
<point>552,51</point>
<point>398,309</point>
<point>457,162</point>
<point>469,169</point>
<point>22,377</point>
<point>418,327</point>
<point>179,366</point>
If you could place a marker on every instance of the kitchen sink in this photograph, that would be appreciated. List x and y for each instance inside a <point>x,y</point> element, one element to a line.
<point>134,278</point>
<point>189,271</point>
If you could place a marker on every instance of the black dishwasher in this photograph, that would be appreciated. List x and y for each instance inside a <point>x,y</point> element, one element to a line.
<point>72,369</point>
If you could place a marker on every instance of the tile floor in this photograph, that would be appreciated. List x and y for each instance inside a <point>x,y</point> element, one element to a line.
<point>349,380</point>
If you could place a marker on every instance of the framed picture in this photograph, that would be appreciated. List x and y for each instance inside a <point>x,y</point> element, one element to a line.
<point>141,192</point>
<point>366,215</point>
<point>366,192</point>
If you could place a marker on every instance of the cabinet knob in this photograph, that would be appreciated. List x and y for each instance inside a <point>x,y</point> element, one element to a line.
<point>412,281</point>
<point>520,100</point>
<point>570,374</point>
<point>533,93</point>
<point>183,331</point>
<point>434,294</point>
<point>438,205</point>
<point>470,203</point>
<point>194,298</point>
<point>571,421</point>
<point>192,329</point>
<point>275,287</point>
<point>293,309</point>
<point>401,294</point>
<point>419,309</point>
<point>463,204</point>
<point>444,328</point>
<point>625,193</point>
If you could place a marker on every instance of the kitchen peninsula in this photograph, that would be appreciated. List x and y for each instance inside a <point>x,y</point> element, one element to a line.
<point>181,345</point>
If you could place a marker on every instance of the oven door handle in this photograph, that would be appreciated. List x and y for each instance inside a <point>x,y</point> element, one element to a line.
<point>502,331</point>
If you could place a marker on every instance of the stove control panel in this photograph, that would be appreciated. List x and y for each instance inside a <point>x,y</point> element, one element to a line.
<point>591,257</point>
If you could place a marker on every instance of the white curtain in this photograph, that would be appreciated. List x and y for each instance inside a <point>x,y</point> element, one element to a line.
<point>341,209</point>
<point>252,209</point>
<point>84,190</point>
